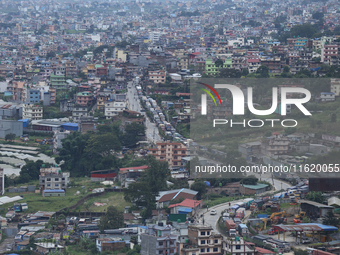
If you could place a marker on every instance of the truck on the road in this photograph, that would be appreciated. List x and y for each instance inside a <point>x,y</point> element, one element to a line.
<point>243,230</point>
<point>240,212</point>
<point>10,215</point>
<point>231,226</point>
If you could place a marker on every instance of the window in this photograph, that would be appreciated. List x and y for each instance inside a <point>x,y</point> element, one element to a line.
<point>202,250</point>
<point>215,241</point>
<point>202,241</point>
<point>48,185</point>
<point>160,252</point>
<point>208,233</point>
<point>202,233</point>
<point>57,185</point>
<point>48,179</point>
<point>238,247</point>
<point>215,249</point>
<point>56,179</point>
<point>160,243</point>
<point>208,249</point>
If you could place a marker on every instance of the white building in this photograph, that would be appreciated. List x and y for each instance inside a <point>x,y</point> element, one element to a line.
<point>113,108</point>
<point>237,246</point>
<point>32,112</point>
<point>327,96</point>
<point>335,87</point>
<point>154,36</point>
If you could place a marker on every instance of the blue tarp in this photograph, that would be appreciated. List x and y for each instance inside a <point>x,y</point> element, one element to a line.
<point>70,126</point>
<point>324,227</point>
<point>25,122</point>
<point>184,210</point>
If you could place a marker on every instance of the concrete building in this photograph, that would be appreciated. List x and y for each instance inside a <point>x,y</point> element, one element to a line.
<point>113,108</point>
<point>327,96</point>
<point>110,244</point>
<point>170,152</point>
<point>129,175</point>
<point>158,240</point>
<point>32,112</point>
<point>53,178</point>
<point>237,246</point>
<point>45,248</point>
<point>203,237</point>
<point>335,86</point>
<point>84,98</point>
<point>157,76</point>
<point>87,124</point>
<point>79,111</point>
<point>33,96</point>
<point>57,81</point>
<point>10,126</point>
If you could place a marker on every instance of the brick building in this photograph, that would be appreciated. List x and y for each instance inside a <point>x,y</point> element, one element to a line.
<point>169,152</point>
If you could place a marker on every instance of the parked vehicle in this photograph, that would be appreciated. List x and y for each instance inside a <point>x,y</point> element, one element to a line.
<point>17,207</point>
<point>243,229</point>
<point>231,226</point>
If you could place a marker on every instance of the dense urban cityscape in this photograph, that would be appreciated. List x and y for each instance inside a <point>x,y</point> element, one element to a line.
<point>104,120</point>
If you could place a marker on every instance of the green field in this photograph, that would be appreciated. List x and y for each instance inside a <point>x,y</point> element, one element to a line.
<point>36,202</point>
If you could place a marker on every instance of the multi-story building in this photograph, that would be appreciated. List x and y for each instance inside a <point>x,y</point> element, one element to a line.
<point>158,240</point>
<point>329,53</point>
<point>237,246</point>
<point>57,81</point>
<point>53,94</point>
<point>212,69</point>
<point>32,112</point>
<point>273,64</point>
<point>79,111</point>
<point>66,105</point>
<point>70,69</point>
<point>84,98</point>
<point>203,238</point>
<point>53,178</point>
<point>169,152</point>
<point>275,146</point>
<point>157,76</point>
<point>33,96</point>
<point>335,86</point>
<point>19,90</point>
<point>10,127</point>
<point>113,108</point>
<point>102,97</point>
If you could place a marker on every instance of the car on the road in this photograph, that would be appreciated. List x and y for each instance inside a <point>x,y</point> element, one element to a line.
<point>142,110</point>
<point>213,212</point>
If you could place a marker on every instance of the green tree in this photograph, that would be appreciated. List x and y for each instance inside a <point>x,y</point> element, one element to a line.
<point>102,144</point>
<point>263,71</point>
<point>290,130</point>
<point>230,73</point>
<point>50,54</point>
<point>200,187</point>
<point>333,117</point>
<point>286,69</point>
<point>318,15</point>
<point>112,219</point>
<point>315,196</point>
<point>330,219</point>
<point>219,63</point>
<point>10,137</point>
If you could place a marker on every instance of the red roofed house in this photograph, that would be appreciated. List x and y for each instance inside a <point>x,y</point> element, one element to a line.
<point>103,175</point>
<point>164,197</point>
<point>129,175</point>
<point>261,251</point>
<point>186,204</point>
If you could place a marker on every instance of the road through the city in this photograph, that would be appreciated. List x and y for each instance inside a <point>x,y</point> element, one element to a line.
<point>152,133</point>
